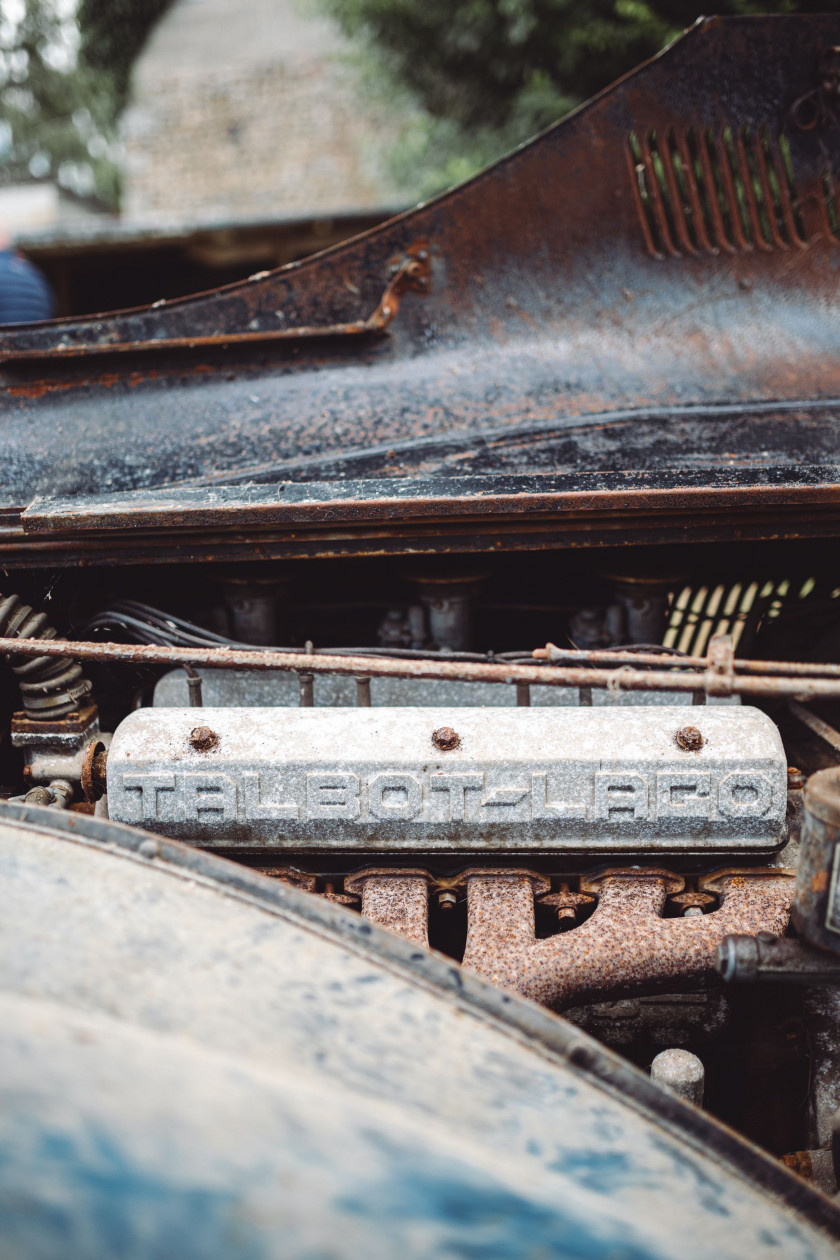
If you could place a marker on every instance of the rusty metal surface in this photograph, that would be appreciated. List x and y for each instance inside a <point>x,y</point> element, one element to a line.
<point>625,947</point>
<point>225,688</point>
<point>411,274</point>
<point>395,899</point>
<point>585,315</point>
<point>431,514</point>
<point>797,680</point>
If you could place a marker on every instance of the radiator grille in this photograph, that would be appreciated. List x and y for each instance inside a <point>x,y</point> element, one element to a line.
<point>736,608</point>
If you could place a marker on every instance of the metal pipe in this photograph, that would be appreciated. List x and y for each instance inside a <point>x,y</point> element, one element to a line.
<point>466,671</point>
<point>599,656</point>
<point>625,947</point>
<point>774,960</point>
<point>820,728</point>
<point>194,687</point>
<point>395,899</point>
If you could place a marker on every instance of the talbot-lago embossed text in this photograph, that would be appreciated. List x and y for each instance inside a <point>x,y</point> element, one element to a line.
<point>408,796</point>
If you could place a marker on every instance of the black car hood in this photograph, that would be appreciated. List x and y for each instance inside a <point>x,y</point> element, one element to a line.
<point>647,291</point>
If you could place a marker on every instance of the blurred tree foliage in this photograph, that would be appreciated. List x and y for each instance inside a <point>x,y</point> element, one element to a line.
<point>63,80</point>
<point>491,73</point>
<point>113,32</point>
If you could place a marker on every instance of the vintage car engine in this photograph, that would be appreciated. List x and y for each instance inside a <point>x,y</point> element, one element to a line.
<point>510,823</point>
<point>454,615</point>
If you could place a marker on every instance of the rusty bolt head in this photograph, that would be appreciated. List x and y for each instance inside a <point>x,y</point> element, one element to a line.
<point>447,899</point>
<point>691,904</point>
<point>445,738</point>
<point>795,778</point>
<point>690,739</point>
<point>202,739</point>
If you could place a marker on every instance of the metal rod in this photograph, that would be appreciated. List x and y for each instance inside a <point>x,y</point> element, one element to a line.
<point>194,687</point>
<point>598,656</point>
<point>523,695</point>
<point>464,671</point>
<point>825,732</point>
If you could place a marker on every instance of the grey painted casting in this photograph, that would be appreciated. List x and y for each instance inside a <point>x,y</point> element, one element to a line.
<point>515,779</point>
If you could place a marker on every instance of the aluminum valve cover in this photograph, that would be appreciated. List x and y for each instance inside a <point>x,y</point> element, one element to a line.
<point>521,779</point>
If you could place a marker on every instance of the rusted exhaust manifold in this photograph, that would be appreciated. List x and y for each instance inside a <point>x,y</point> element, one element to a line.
<point>625,948</point>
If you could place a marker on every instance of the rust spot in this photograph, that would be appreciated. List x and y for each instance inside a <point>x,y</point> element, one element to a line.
<point>690,739</point>
<point>819,882</point>
<point>94,768</point>
<point>395,899</point>
<point>445,738</point>
<point>800,1162</point>
<point>202,738</point>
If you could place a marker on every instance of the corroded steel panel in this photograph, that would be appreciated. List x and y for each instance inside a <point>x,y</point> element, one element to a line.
<point>648,288</point>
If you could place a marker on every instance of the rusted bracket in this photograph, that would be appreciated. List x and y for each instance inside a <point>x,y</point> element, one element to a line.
<point>410,273</point>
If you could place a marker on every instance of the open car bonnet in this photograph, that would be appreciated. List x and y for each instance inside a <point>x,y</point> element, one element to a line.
<point>633,315</point>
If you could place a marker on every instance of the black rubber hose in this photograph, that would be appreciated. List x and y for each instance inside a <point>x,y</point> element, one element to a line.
<point>50,686</point>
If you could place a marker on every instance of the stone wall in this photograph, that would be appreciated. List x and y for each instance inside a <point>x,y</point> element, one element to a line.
<point>266,116</point>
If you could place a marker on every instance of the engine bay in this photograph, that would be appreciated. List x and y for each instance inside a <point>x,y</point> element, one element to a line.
<point>589,844</point>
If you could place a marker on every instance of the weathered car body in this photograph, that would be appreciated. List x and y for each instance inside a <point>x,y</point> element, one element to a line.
<point>591,395</point>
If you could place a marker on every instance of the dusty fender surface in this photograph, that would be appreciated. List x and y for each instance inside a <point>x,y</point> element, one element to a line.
<point>199,1061</point>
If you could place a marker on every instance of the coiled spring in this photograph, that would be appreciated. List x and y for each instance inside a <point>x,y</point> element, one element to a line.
<point>50,686</point>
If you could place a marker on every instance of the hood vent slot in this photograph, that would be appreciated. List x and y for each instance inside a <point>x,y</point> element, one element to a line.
<point>732,191</point>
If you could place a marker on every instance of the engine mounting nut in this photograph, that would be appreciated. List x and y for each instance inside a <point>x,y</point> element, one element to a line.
<point>690,739</point>
<point>445,738</point>
<point>202,738</point>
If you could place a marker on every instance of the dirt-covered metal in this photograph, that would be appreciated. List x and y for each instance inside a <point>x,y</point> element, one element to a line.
<point>816,910</point>
<point>776,960</point>
<point>199,1060</point>
<point>556,780</point>
<point>628,318</point>
<point>625,946</point>
<point>780,680</point>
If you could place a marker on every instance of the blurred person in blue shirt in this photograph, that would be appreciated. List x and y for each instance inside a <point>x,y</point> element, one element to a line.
<point>25,295</point>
